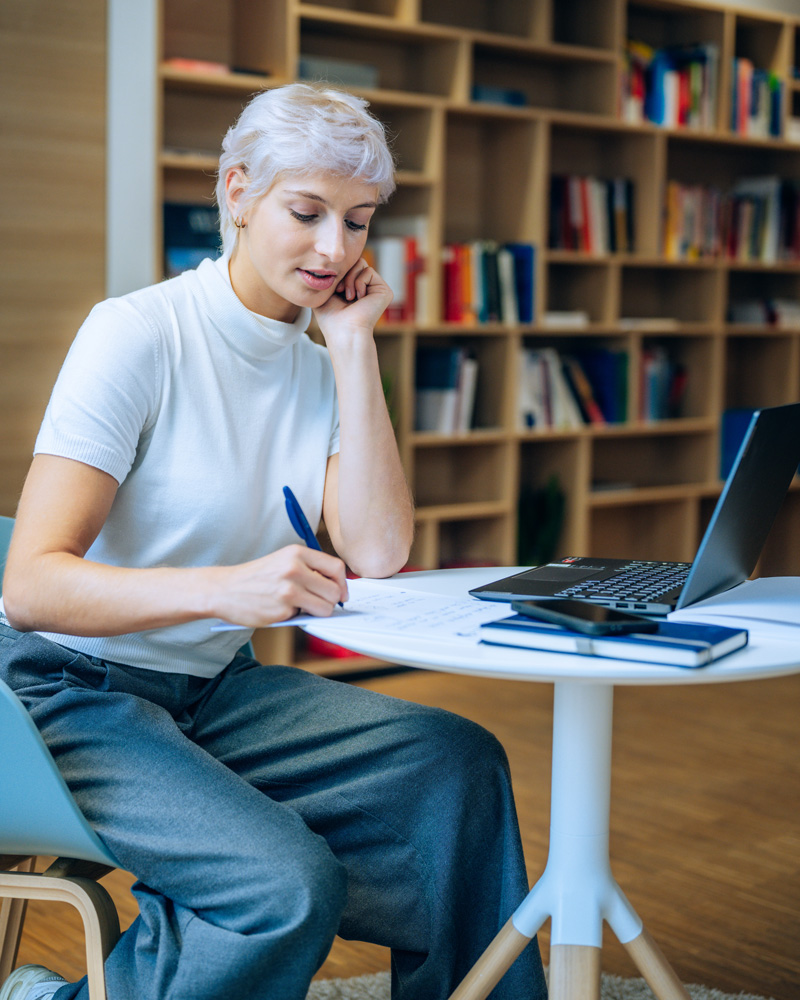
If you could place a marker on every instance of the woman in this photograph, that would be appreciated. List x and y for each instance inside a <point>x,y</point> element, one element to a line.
<point>262,809</point>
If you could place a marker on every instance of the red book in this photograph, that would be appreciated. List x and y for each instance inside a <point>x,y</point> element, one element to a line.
<point>453,296</point>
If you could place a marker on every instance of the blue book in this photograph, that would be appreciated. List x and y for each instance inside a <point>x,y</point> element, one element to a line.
<point>524,255</point>
<point>677,644</point>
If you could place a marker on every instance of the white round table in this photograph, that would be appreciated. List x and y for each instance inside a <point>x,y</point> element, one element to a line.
<point>577,890</point>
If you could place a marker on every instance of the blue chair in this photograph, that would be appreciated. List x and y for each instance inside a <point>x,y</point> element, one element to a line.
<point>38,816</point>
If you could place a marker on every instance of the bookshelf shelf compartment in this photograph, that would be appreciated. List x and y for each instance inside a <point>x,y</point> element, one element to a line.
<point>412,131</point>
<point>660,529</point>
<point>683,295</point>
<point>578,293</point>
<point>443,476</point>
<point>491,178</point>
<point>195,122</point>
<point>612,153</point>
<point>674,368</point>
<point>553,81</point>
<point>760,371</point>
<point>383,60</point>
<point>526,19</point>
<point>634,463</point>
<point>472,542</point>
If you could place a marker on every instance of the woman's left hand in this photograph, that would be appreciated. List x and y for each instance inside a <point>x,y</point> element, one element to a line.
<point>357,303</point>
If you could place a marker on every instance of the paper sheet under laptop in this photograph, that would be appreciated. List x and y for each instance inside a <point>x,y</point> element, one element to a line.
<point>768,607</point>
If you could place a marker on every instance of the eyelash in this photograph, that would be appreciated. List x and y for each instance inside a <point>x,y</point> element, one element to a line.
<point>353,226</point>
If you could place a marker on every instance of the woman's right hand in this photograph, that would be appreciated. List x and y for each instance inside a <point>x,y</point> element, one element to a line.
<point>292,580</point>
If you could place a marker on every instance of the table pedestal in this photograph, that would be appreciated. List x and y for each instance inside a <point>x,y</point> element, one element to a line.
<point>577,891</point>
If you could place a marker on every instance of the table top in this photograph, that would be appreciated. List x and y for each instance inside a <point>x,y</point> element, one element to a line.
<point>760,659</point>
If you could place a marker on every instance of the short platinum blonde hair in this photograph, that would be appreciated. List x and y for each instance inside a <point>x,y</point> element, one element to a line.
<point>302,128</point>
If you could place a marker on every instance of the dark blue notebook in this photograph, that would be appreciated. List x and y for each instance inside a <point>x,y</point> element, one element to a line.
<point>679,644</point>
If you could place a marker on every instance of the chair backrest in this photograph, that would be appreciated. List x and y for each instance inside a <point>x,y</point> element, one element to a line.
<point>38,814</point>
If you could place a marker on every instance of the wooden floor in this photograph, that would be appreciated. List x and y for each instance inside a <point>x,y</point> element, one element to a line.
<point>705,836</point>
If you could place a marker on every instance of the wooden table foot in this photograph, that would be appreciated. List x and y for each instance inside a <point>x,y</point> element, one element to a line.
<point>658,973</point>
<point>492,965</point>
<point>574,972</point>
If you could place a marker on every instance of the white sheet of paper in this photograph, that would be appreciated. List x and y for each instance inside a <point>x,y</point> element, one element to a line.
<point>376,607</point>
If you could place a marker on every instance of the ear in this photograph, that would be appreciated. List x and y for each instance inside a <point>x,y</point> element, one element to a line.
<point>235,186</point>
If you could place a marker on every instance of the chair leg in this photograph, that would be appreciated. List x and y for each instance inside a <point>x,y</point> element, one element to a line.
<point>96,908</point>
<point>12,917</point>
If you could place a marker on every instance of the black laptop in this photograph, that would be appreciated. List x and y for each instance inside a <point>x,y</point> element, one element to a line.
<point>753,493</point>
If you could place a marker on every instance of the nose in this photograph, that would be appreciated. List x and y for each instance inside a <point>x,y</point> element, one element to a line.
<point>330,240</point>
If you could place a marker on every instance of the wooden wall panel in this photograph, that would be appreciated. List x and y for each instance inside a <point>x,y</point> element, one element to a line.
<point>52,205</point>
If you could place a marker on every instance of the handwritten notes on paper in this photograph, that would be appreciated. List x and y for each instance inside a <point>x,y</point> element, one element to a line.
<point>376,607</point>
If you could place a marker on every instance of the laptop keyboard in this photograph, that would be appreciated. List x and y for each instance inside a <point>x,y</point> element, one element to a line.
<point>638,581</point>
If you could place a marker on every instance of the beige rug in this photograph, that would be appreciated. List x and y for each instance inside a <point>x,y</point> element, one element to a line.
<point>376,987</point>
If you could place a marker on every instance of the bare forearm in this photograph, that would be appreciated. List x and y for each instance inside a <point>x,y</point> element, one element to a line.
<point>61,592</point>
<point>375,511</point>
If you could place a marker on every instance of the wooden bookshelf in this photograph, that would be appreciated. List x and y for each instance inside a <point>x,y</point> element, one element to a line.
<point>474,170</point>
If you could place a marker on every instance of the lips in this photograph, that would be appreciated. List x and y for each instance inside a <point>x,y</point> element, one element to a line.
<point>318,280</point>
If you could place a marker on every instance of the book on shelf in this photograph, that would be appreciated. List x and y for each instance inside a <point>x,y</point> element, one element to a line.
<point>191,234</point>
<point>397,249</point>
<point>674,86</point>
<point>445,386</point>
<point>756,100</point>
<point>591,214</point>
<point>679,644</point>
<point>607,371</point>
<point>489,282</point>
<point>662,384</point>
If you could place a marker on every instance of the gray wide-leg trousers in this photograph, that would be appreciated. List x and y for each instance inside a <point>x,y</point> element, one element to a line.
<point>266,810</point>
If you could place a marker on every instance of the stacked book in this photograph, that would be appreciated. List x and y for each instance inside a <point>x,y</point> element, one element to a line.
<point>487,282</point>
<point>680,644</point>
<point>674,86</point>
<point>591,214</point>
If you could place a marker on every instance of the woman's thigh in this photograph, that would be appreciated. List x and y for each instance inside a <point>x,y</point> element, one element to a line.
<point>183,822</point>
<point>408,797</point>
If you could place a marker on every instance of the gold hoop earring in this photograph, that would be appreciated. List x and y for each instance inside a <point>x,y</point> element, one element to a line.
<point>240,223</point>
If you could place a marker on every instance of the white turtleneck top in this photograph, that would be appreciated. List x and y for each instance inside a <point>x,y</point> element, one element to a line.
<point>202,411</point>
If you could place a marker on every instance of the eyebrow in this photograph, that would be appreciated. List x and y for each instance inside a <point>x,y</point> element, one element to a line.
<point>319,198</point>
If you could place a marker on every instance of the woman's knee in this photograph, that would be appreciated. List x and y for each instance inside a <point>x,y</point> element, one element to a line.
<point>301,890</point>
<point>459,744</point>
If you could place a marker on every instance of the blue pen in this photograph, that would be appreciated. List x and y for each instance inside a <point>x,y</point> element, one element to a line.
<point>300,522</point>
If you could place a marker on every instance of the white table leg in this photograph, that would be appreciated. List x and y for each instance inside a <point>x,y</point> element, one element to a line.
<point>577,890</point>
